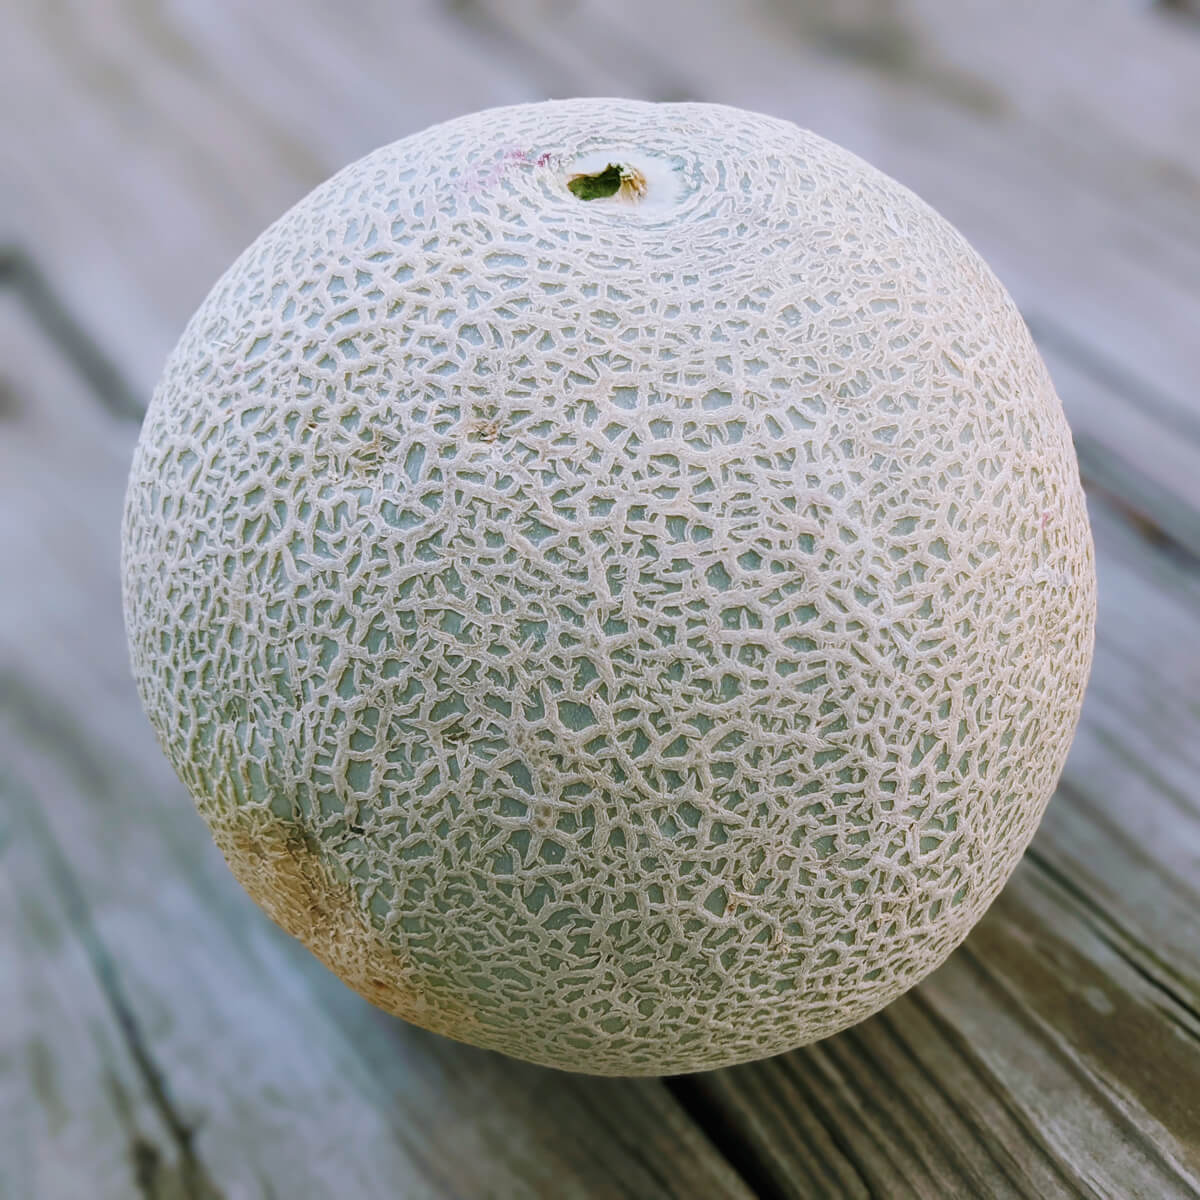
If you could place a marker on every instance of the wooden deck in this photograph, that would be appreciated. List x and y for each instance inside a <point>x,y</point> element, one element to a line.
<point>160,1038</point>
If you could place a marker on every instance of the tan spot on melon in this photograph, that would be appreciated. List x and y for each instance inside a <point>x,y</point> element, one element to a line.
<point>280,868</point>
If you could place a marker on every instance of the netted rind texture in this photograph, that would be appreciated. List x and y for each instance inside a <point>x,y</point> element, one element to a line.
<point>637,634</point>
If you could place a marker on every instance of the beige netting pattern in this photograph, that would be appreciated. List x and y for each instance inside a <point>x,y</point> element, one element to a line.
<point>636,634</point>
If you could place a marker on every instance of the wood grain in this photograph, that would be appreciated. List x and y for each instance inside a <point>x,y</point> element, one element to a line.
<point>168,137</point>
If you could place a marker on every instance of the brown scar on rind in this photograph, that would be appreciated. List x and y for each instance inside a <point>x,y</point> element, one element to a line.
<point>281,870</point>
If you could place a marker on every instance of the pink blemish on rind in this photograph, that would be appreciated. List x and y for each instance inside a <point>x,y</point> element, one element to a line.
<point>510,156</point>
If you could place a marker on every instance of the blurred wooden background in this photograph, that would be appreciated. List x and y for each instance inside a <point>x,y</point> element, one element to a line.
<point>160,1038</point>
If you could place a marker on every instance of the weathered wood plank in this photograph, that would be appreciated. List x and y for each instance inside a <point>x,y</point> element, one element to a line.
<point>167,137</point>
<point>183,1035</point>
<point>86,1111</point>
<point>1185,8</point>
<point>1125,832</point>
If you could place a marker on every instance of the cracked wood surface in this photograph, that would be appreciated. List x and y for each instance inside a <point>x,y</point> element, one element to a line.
<point>159,1037</point>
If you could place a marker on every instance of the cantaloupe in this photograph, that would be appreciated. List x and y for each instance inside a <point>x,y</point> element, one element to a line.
<point>614,577</point>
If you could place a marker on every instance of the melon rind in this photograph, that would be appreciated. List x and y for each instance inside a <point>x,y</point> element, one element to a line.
<point>636,635</point>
